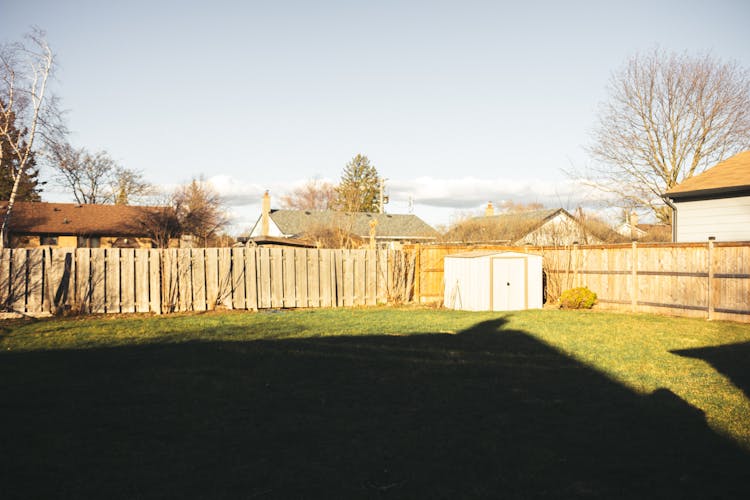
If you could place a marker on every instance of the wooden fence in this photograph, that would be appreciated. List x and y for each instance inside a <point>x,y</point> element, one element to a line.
<point>44,280</point>
<point>709,280</point>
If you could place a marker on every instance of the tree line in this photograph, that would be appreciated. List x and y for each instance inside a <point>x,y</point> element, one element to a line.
<point>666,118</point>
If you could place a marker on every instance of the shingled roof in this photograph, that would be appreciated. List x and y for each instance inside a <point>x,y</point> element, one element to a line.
<point>729,176</point>
<point>75,219</point>
<point>390,226</point>
<point>512,226</point>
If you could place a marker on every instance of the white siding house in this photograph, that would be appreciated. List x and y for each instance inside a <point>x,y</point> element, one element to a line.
<point>714,204</point>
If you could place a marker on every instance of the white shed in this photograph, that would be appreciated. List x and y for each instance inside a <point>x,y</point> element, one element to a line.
<point>493,281</point>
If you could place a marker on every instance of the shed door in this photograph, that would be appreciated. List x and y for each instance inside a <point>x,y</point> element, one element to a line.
<point>508,284</point>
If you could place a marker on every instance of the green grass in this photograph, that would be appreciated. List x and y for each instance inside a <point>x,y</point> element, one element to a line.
<point>373,403</point>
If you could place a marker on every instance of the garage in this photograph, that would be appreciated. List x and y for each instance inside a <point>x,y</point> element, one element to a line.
<point>493,281</point>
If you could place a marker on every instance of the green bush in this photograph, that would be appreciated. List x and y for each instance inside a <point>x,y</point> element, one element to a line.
<point>577,298</point>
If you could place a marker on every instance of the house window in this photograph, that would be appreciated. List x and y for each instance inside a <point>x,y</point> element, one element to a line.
<point>89,241</point>
<point>48,240</point>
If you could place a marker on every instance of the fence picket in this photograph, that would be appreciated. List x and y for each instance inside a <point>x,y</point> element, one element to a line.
<point>35,286</point>
<point>198,278</point>
<point>300,278</point>
<point>277,278</point>
<point>251,279</point>
<point>127,280</point>
<point>142,280</point>
<point>327,279</point>
<point>238,278</point>
<point>83,280</point>
<point>289,276</point>
<point>155,267</point>
<point>264,278</point>
<point>313,278</point>
<point>18,280</point>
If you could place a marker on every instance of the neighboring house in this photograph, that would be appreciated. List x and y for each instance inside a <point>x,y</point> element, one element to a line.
<point>547,227</point>
<point>714,204</point>
<point>634,231</point>
<point>388,229</point>
<point>74,225</point>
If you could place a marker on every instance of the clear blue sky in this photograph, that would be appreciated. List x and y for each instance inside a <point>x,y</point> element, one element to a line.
<point>456,103</point>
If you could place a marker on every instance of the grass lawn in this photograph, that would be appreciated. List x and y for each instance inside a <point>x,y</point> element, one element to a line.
<point>375,403</point>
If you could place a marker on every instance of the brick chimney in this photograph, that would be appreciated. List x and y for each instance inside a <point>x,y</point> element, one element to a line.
<point>265,214</point>
<point>490,210</point>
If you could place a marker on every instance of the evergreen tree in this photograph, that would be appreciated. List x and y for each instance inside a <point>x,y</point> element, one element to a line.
<point>29,186</point>
<point>359,188</point>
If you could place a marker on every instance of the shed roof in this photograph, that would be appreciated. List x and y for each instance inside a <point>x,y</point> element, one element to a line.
<point>487,253</point>
<point>76,219</point>
<point>728,176</point>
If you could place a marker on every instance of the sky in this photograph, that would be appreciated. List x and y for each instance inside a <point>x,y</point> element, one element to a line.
<point>456,103</point>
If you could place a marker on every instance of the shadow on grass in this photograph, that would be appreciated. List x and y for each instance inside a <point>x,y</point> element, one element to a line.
<point>732,360</point>
<point>489,412</point>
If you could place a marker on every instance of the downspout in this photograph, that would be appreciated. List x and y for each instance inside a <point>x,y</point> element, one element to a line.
<point>671,205</point>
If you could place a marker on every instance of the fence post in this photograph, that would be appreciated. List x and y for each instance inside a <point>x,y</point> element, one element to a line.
<point>417,273</point>
<point>634,276</point>
<point>710,277</point>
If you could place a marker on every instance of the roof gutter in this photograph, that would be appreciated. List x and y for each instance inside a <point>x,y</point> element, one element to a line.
<point>671,205</point>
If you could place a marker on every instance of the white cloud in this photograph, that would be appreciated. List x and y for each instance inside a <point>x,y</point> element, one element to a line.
<point>434,200</point>
<point>470,192</point>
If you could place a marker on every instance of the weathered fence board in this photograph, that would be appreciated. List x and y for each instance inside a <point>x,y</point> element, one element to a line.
<point>313,278</point>
<point>277,278</point>
<point>225,277</point>
<point>83,280</point>
<point>18,281</point>
<point>289,275</point>
<point>238,278</point>
<point>211,256</point>
<point>155,280</point>
<point>327,279</point>
<point>142,280</point>
<point>35,281</point>
<point>198,277</point>
<point>127,282</point>
<point>251,280</point>
<point>264,278</point>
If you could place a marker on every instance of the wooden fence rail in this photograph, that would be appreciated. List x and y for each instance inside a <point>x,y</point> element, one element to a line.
<point>34,281</point>
<point>710,280</point>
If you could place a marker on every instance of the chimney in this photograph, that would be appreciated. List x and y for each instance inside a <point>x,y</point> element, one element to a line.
<point>490,210</point>
<point>633,225</point>
<point>265,213</point>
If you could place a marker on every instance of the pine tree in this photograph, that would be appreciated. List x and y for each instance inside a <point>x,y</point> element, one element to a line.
<point>29,186</point>
<point>358,190</point>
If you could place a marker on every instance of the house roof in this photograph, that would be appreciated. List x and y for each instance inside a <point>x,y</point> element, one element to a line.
<point>514,226</point>
<point>75,219</point>
<point>729,176</point>
<point>390,226</point>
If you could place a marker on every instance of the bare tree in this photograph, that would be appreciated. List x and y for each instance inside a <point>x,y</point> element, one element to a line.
<point>96,177</point>
<point>313,195</point>
<point>25,70</point>
<point>128,186</point>
<point>668,117</point>
<point>200,209</point>
<point>162,224</point>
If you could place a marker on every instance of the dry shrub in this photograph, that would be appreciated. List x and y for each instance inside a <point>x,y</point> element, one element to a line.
<point>577,298</point>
